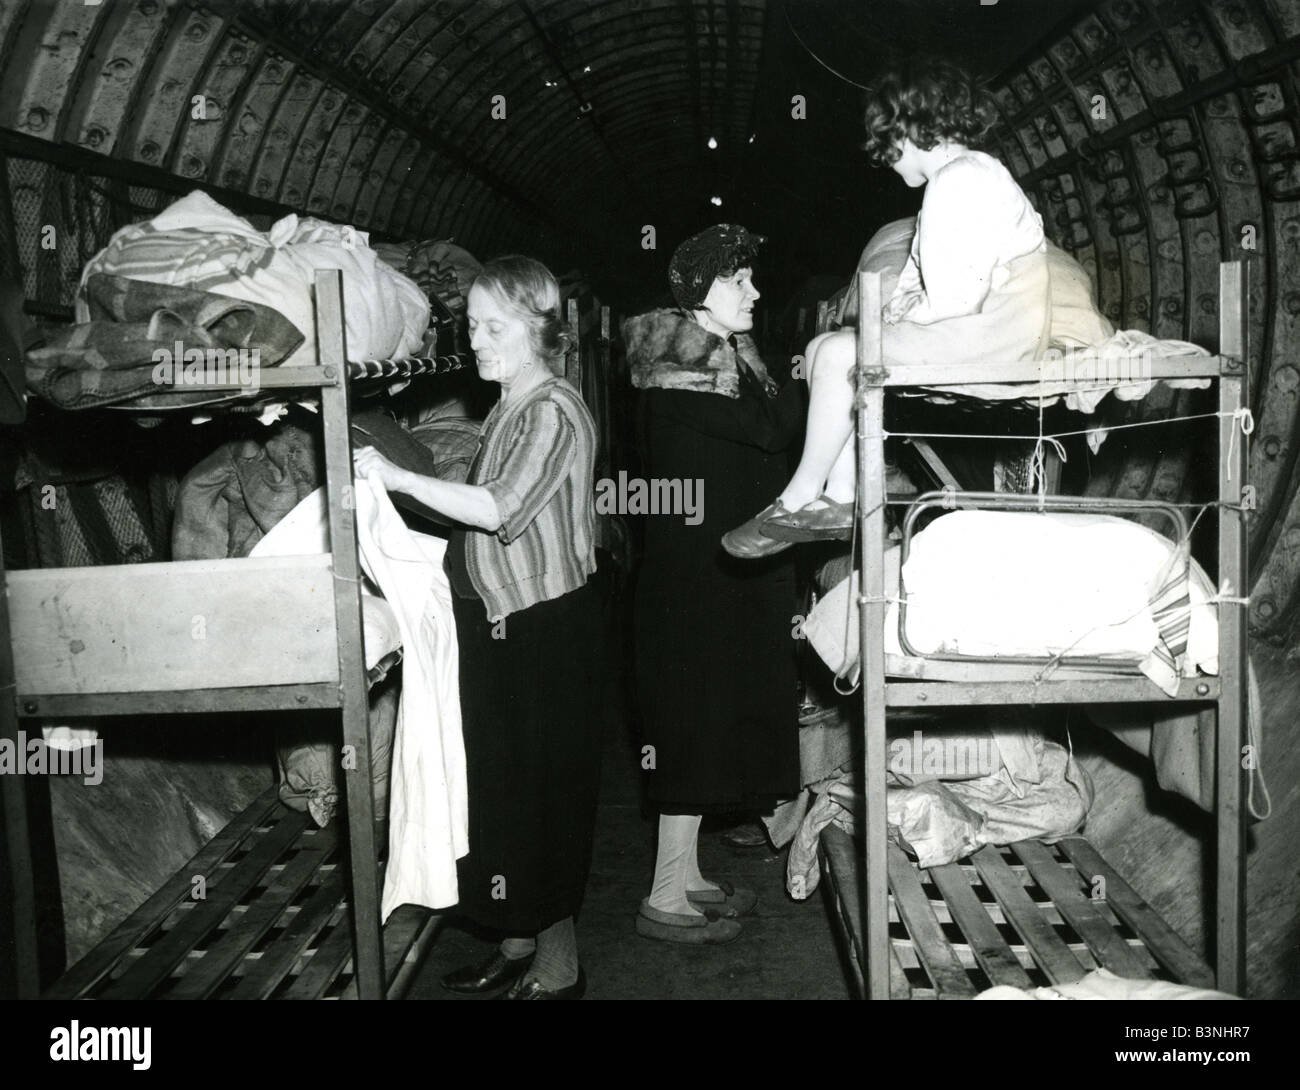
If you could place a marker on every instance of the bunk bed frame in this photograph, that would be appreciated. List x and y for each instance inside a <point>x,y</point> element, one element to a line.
<point>276,916</point>
<point>1006,912</point>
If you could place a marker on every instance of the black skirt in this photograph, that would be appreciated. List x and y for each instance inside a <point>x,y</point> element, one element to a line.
<point>715,636</point>
<point>716,679</point>
<point>532,745</point>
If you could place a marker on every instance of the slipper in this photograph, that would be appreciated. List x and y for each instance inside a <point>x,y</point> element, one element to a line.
<point>727,901</point>
<point>748,541</point>
<point>833,520</point>
<point>710,930</point>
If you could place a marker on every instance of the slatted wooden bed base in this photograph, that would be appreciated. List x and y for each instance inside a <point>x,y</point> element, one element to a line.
<point>1024,916</point>
<point>269,920</point>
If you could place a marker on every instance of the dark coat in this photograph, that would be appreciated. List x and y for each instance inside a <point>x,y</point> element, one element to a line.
<point>715,646</point>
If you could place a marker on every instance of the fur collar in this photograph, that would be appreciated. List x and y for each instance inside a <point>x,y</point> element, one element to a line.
<point>671,351</point>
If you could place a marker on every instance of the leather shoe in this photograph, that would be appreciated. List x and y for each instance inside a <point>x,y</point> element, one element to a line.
<point>749,542</point>
<point>534,989</point>
<point>832,520</point>
<point>496,972</point>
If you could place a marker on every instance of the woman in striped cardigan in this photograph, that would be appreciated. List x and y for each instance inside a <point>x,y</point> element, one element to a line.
<point>526,621</point>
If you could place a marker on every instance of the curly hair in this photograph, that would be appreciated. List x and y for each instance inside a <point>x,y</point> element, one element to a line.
<point>528,288</point>
<point>925,100</point>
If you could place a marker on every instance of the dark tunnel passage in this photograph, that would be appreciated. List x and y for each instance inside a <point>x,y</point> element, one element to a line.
<point>1157,138</point>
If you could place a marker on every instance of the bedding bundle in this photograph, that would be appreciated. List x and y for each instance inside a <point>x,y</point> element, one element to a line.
<point>1086,357</point>
<point>1002,583</point>
<point>197,286</point>
<point>951,790</point>
<point>112,355</point>
<point>442,269</point>
<point>197,243</point>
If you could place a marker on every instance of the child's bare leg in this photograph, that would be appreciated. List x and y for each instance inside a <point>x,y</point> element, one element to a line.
<point>830,420</point>
<point>842,482</point>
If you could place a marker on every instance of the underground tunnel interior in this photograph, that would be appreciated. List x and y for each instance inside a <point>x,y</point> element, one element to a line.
<point>574,130</point>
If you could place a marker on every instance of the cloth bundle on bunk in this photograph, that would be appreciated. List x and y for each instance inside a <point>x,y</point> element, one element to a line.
<point>442,269</point>
<point>235,495</point>
<point>1085,357</point>
<point>199,279</point>
<point>111,355</point>
<point>197,243</point>
<point>1001,583</point>
<point>949,792</point>
<point>1103,984</point>
<point>246,490</point>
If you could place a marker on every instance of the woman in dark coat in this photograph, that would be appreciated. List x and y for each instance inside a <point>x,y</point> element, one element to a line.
<point>715,643</point>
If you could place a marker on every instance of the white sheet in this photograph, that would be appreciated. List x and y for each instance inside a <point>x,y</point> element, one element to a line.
<point>304,531</point>
<point>428,803</point>
<point>1001,583</point>
<point>1103,984</point>
<point>1028,583</point>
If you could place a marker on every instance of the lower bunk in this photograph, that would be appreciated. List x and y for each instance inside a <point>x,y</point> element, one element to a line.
<point>261,912</point>
<point>1023,916</point>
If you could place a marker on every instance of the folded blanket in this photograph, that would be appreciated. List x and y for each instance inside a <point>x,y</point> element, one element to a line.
<point>133,325</point>
<point>1083,376</point>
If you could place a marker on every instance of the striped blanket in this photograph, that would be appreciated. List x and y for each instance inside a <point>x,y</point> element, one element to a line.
<point>112,356</point>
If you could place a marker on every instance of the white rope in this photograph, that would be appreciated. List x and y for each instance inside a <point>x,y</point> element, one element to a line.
<point>1245,421</point>
<point>1243,416</point>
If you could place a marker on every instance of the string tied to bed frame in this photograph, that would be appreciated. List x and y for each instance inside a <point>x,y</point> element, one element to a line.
<point>1038,465</point>
<point>1245,421</point>
<point>1226,596</point>
<point>1243,416</point>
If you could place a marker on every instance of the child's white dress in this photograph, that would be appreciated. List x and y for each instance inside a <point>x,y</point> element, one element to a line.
<point>977,271</point>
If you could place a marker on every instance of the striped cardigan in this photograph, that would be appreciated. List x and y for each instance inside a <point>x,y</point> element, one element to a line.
<point>537,459</point>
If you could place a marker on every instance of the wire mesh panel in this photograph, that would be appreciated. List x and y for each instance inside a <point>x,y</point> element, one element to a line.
<point>56,219</point>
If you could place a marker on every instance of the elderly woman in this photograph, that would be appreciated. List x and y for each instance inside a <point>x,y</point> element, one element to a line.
<point>715,645</point>
<point>526,621</point>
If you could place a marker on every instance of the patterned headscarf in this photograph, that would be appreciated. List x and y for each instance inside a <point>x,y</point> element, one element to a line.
<point>717,251</point>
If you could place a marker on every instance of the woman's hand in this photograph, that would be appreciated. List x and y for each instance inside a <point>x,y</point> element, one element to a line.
<point>367,461</point>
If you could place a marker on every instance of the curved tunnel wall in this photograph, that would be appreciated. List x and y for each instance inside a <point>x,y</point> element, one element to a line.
<point>378,112</point>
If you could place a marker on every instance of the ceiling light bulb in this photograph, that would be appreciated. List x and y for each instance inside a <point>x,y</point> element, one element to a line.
<point>716,201</point>
<point>713,144</point>
<point>751,138</point>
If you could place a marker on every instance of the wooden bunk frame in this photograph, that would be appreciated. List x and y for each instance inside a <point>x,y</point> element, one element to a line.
<point>980,914</point>
<point>120,640</point>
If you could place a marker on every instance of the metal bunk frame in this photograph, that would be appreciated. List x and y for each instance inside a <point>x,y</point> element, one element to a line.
<point>84,680</point>
<point>917,683</point>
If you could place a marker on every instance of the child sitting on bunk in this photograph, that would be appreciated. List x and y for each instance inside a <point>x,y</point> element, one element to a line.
<point>975,287</point>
